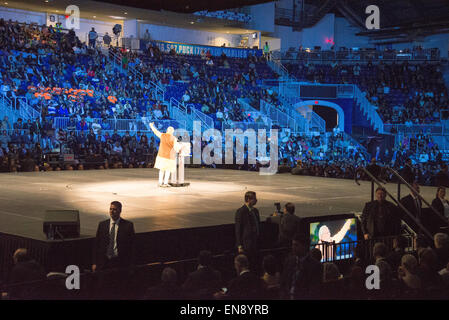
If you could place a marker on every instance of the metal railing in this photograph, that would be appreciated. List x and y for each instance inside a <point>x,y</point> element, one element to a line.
<point>356,55</point>
<point>403,181</point>
<point>206,121</point>
<point>414,128</point>
<point>283,119</point>
<point>119,124</point>
<point>369,110</point>
<point>396,201</point>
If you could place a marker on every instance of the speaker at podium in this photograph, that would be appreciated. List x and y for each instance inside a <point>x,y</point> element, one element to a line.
<point>182,150</point>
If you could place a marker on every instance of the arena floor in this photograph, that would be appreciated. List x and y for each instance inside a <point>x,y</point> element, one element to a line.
<point>211,199</point>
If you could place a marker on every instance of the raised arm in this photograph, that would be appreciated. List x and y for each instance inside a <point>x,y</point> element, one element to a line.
<point>341,234</point>
<point>156,132</point>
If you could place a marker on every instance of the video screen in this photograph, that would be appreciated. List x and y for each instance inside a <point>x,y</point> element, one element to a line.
<point>342,231</point>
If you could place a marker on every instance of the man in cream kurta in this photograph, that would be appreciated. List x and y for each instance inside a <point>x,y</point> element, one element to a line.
<point>166,155</point>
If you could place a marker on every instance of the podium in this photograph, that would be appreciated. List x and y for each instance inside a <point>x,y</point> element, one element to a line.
<point>182,150</point>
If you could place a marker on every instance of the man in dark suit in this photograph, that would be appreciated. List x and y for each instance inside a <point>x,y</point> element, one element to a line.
<point>114,242</point>
<point>247,285</point>
<point>413,203</point>
<point>203,282</point>
<point>247,225</point>
<point>288,225</point>
<point>380,218</point>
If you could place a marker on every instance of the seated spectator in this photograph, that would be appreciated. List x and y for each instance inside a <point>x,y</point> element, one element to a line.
<point>409,282</point>
<point>431,280</point>
<point>271,277</point>
<point>386,273</point>
<point>246,286</point>
<point>202,283</point>
<point>305,271</point>
<point>167,289</point>
<point>332,285</point>
<point>25,269</point>
<point>441,242</point>
<point>394,257</point>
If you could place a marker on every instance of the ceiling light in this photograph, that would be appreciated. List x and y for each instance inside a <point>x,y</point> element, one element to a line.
<point>126,12</point>
<point>95,16</point>
<point>6,2</point>
<point>191,22</point>
<point>46,1</point>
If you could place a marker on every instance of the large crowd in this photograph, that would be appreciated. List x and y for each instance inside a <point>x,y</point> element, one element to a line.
<point>404,93</point>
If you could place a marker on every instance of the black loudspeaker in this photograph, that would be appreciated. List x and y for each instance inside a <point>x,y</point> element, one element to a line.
<point>61,224</point>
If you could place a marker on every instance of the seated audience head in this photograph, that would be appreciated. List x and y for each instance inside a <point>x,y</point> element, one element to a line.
<point>379,250</point>
<point>21,255</point>
<point>269,265</point>
<point>409,263</point>
<point>205,258</point>
<point>330,272</point>
<point>441,240</point>
<point>316,254</point>
<point>400,242</point>
<point>169,276</point>
<point>427,258</point>
<point>241,263</point>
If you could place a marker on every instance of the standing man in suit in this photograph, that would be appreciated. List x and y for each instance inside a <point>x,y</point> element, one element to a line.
<point>114,241</point>
<point>380,217</point>
<point>247,225</point>
<point>412,202</point>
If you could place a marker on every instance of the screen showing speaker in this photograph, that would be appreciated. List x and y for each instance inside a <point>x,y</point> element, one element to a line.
<point>334,238</point>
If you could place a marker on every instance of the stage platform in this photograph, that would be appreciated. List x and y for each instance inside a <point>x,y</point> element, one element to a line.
<point>211,199</point>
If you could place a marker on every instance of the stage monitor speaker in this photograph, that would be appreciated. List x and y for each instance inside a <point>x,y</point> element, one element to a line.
<point>61,224</point>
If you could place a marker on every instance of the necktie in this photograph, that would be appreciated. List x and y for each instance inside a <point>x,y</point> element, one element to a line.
<point>418,207</point>
<point>110,251</point>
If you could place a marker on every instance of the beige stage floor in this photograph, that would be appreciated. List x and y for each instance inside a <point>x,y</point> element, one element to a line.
<point>211,199</point>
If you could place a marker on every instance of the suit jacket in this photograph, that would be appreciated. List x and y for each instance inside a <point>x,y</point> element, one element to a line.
<point>370,219</point>
<point>247,287</point>
<point>288,227</point>
<point>246,231</point>
<point>202,283</point>
<point>125,243</point>
<point>438,206</point>
<point>409,203</point>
